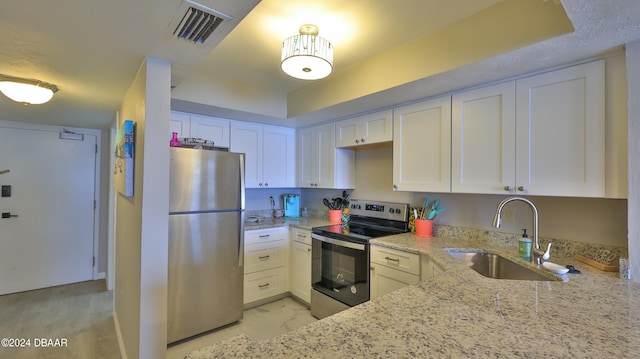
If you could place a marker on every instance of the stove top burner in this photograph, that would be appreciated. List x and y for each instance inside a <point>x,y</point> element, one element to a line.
<point>369,220</point>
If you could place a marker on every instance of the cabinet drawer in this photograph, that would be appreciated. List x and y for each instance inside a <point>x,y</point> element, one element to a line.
<point>264,284</point>
<point>392,258</point>
<point>263,235</point>
<point>301,235</point>
<point>261,256</point>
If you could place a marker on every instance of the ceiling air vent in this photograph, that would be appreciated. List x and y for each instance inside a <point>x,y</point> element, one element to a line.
<point>196,25</point>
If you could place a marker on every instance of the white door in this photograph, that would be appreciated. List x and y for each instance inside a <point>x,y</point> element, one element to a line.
<point>247,138</point>
<point>422,146</point>
<point>50,242</point>
<point>483,145</point>
<point>279,156</point>
<point>560,124</point>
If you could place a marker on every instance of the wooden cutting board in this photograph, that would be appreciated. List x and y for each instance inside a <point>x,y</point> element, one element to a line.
<point>598,265</point>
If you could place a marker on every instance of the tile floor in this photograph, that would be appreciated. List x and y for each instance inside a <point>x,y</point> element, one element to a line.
<point>263,322</point>
<point>82,313</point>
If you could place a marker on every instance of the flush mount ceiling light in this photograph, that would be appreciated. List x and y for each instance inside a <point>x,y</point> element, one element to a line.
<point>26,91</point>
<point>307,56</point>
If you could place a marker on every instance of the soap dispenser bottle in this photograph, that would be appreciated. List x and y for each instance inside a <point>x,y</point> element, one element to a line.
<point>524,245</point>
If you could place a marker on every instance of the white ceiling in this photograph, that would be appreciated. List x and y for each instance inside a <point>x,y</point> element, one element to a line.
<point>91,49</point>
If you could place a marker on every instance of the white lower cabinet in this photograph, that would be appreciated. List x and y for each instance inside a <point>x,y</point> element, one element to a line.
<point>264,284</point>
<point>266,263</point>
<point>392,269</point>
<point>301,264</point>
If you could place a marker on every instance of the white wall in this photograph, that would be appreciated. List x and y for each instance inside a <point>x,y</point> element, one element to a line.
<point>633,79</point>
<point>142,220</point>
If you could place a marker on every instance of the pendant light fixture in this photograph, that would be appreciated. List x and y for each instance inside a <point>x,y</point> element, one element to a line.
<point>307,56</point>
<point>26,91</point>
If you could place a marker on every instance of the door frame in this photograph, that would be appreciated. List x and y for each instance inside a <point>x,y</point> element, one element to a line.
<point>97,173</point>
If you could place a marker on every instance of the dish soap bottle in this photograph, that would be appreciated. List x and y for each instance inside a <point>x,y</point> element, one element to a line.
<point>524,245</point>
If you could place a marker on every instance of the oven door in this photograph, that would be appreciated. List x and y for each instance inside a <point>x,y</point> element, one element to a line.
<point>340,269</point>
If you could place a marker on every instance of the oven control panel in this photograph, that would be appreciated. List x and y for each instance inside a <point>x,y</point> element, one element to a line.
<point>382,210</point>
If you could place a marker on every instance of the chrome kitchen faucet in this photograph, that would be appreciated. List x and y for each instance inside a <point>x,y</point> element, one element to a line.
<point>536,252</point>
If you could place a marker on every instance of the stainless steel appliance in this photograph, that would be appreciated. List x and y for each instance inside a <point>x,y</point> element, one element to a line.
<point>206,240</point>
<point>340,254</point>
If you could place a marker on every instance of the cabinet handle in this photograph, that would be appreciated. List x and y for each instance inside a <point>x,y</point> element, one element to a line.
<point>263,285</point>
<point>260,184</point>
<point>395,187</point>
<point>264,257</point>
<point>357,141</point>
<point>302,235</point>
<point>308,249</point>
<point>362,140</point>
<point>507,188</point>
<point>264,236</point>
<point>372,268</point>
<point>266,184</point>
<point>392,259</point>
<point>521,188</point>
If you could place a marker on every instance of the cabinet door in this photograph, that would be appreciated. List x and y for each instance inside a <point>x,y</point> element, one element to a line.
<point>325,146</point>
<point>348,132</point>
<point>306,159</point>
<point>385,280</point>
<point>422,146</point>
<point>211,129</point>
<point>483,140</point>
<point>180,123</point>
<point>560,132</point>
<point>376,127</point>
<point>301,270</point>
<point>278,157</point>
<point>368,129</point>
<point>247,138</point>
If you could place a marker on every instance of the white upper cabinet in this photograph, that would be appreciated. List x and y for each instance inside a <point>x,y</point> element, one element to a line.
<point>181,124</point>
<point>320,163</point>
<point>560,132</point>
<point>269,154</point>
<point>211,129</point>
<point>204,127</point>
<point>422,146</point>
<point>539,135</point>
<point>483,138</point>
<point>365,130</point>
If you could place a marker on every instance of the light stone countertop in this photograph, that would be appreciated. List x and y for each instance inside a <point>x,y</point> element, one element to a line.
<point>461,314</point>
<point>270,222</point>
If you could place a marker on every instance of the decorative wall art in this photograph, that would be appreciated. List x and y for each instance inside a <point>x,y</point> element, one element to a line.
<point>124,148</point>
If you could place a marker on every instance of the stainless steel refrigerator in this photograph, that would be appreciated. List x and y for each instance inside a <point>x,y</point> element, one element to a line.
<point>206,240</point>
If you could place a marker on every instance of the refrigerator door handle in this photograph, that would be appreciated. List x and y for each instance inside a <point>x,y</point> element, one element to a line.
<point>241,241</point>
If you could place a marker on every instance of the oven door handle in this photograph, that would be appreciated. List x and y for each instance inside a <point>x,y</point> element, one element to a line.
<point>337,242</point>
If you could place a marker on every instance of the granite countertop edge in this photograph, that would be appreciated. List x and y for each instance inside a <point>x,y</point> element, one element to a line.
<point>460,313</point>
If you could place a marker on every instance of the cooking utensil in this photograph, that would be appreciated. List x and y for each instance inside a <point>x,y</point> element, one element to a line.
<point>436,212</point>
<point>425,205</point>
<point>337,202</point>
<point>326,203</point>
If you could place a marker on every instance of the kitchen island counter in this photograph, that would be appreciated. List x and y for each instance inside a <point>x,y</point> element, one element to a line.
<point>460,313</point>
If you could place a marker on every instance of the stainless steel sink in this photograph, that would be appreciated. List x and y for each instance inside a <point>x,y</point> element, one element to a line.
<point>495,266</point>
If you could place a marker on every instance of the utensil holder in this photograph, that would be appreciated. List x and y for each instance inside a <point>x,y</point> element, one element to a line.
<point>424,227</point>
<point>335,216</point>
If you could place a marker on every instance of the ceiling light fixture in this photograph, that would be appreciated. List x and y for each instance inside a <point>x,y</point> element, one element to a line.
<point>307,56</point>
<point>26,91</point>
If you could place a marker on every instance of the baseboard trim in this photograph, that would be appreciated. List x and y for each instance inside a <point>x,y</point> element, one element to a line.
<point>123,353</point>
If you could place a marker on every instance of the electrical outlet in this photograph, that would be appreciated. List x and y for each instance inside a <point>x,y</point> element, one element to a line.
<point>508,213</point>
